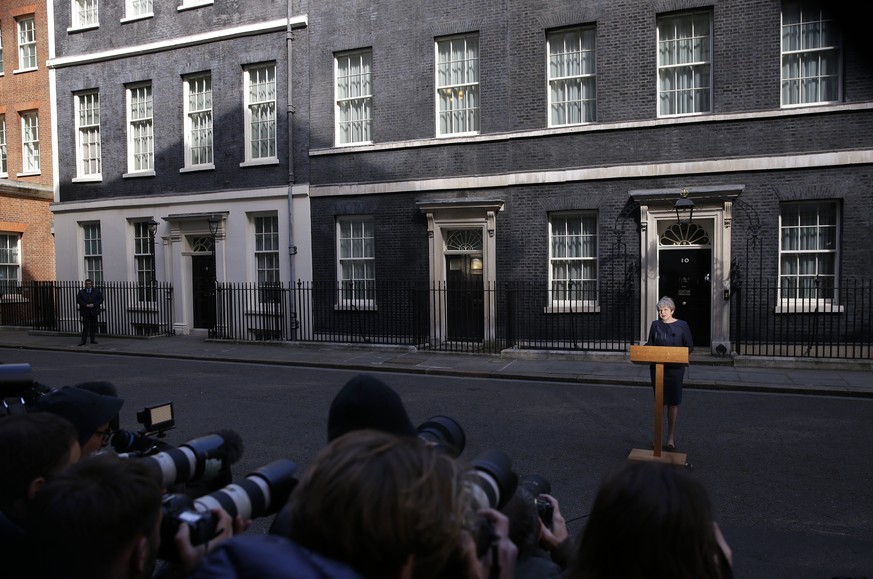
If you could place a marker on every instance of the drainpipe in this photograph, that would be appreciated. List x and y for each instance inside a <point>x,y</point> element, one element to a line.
<point>289,39</point>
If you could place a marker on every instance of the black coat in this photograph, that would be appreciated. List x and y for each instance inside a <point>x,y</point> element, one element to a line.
<point>674,334</point>
<point>95,298</point>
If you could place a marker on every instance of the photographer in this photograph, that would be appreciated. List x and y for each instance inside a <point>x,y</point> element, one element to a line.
<point>91,413</point>
<point>365,402</point>
<point>376,506</point>
<point>543,549</point>
<point>101,518</point>
<point>33,449</point>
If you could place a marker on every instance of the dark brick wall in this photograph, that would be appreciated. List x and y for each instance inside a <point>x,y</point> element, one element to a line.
<point>522,239</point>
<point>746,79</point>
<point>225,60</point>
<point>746,59</point>
<point>660,143</point>
<point>168,22</point>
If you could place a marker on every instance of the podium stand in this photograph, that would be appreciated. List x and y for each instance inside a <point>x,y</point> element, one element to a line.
<point>658,355</point>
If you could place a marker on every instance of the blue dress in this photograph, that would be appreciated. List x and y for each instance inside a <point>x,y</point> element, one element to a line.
<point>674,334</point>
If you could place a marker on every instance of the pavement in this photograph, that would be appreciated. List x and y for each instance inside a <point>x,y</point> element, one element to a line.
<point>853,378</point>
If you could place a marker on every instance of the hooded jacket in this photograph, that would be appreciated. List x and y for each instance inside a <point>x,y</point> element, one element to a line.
<point>269,557</point>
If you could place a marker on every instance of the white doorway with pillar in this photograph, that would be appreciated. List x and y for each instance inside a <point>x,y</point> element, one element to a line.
<point>462,268</point>
<point>196,266</point>
<point>685,253</point>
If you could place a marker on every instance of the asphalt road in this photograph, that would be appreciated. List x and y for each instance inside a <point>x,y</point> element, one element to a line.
<point>789,475</point>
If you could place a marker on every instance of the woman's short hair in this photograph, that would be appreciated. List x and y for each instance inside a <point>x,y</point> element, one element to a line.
<point>649,520</point>
<point>373,499</point>
<point>666,302</point>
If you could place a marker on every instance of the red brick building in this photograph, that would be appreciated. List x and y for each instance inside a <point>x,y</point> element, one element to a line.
<point>26,240</point>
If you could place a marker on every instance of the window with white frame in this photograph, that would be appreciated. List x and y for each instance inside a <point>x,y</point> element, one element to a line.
<point>810,55</point>
<point>260,109</point>
<point>85,13</point>
<point>30,142</point>
<point>573,259</point>
<point>185,4</point>
<point>457,85</point>
<point>572,80</point>
<point>144,262</point>
<point>88,135</point>
<point>685,64</point>
<point>354,97</point>
<point>198,121</point>
<point>136,8</point>
<point>140,129</point>
<point>26,43</point>
<point>4,168</point>
<point>267,256</point>
<point>808,251</point>
<point>93,252</point>
<point>10,263</point>
<point>356,270</point>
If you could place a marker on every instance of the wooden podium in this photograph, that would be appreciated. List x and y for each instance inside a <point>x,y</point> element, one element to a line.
<point>658,355</point>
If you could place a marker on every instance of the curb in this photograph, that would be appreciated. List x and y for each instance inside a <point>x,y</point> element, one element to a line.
<point>484,374</point>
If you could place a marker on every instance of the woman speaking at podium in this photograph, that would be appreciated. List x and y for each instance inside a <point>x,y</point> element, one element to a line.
<point>668,331</point>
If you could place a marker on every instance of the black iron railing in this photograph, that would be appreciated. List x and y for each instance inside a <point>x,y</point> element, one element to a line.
<point>449,317</point>
<point>830,319</point>
<point>129,308</point>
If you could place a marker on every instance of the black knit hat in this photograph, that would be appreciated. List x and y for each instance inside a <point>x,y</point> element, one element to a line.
<point>87,410</point>
<point>365,402</point>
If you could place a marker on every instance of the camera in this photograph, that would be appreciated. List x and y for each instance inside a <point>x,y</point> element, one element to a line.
<point>262,492</point>
<point>180,510</point>
<point>491,483</point>
<point>537,485</point>
<point>18,389</point>
<point>156,421</point>
<point>445,433</point>
<point>202,459</point>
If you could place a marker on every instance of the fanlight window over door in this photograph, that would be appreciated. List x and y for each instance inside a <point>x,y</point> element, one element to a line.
<point>684,234</point>
<point>202,245</point>
<point>464,240</point>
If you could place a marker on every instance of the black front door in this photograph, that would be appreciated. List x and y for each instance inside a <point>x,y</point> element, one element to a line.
<point>465,299</point>
<point>203,286</point>
<point>685,275</point>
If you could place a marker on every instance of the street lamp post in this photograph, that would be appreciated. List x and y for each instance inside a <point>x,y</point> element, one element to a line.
<point>214,224</point>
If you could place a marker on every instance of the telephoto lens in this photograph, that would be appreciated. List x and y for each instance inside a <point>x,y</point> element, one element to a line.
<point>263,492</point>
<point>492,481</point>
<point>202,458</point>
<point>445,433</point>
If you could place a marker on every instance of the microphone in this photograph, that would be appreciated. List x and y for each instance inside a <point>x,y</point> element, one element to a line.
<point>233,445</point>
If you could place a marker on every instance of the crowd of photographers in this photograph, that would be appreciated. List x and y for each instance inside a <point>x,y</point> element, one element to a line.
<point>382,500</point>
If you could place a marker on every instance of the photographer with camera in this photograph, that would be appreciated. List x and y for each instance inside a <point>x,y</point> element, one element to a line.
<point>33,449</point>
<point>365,402</point>
<point>373,505</point>
<point>101,519</point>
<point>538,529</point>
<point>90,412</point>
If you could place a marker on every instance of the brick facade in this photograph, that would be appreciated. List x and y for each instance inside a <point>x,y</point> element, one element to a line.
<point>773,154</point>
<point>25,196</point>
<point>164,48</point>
